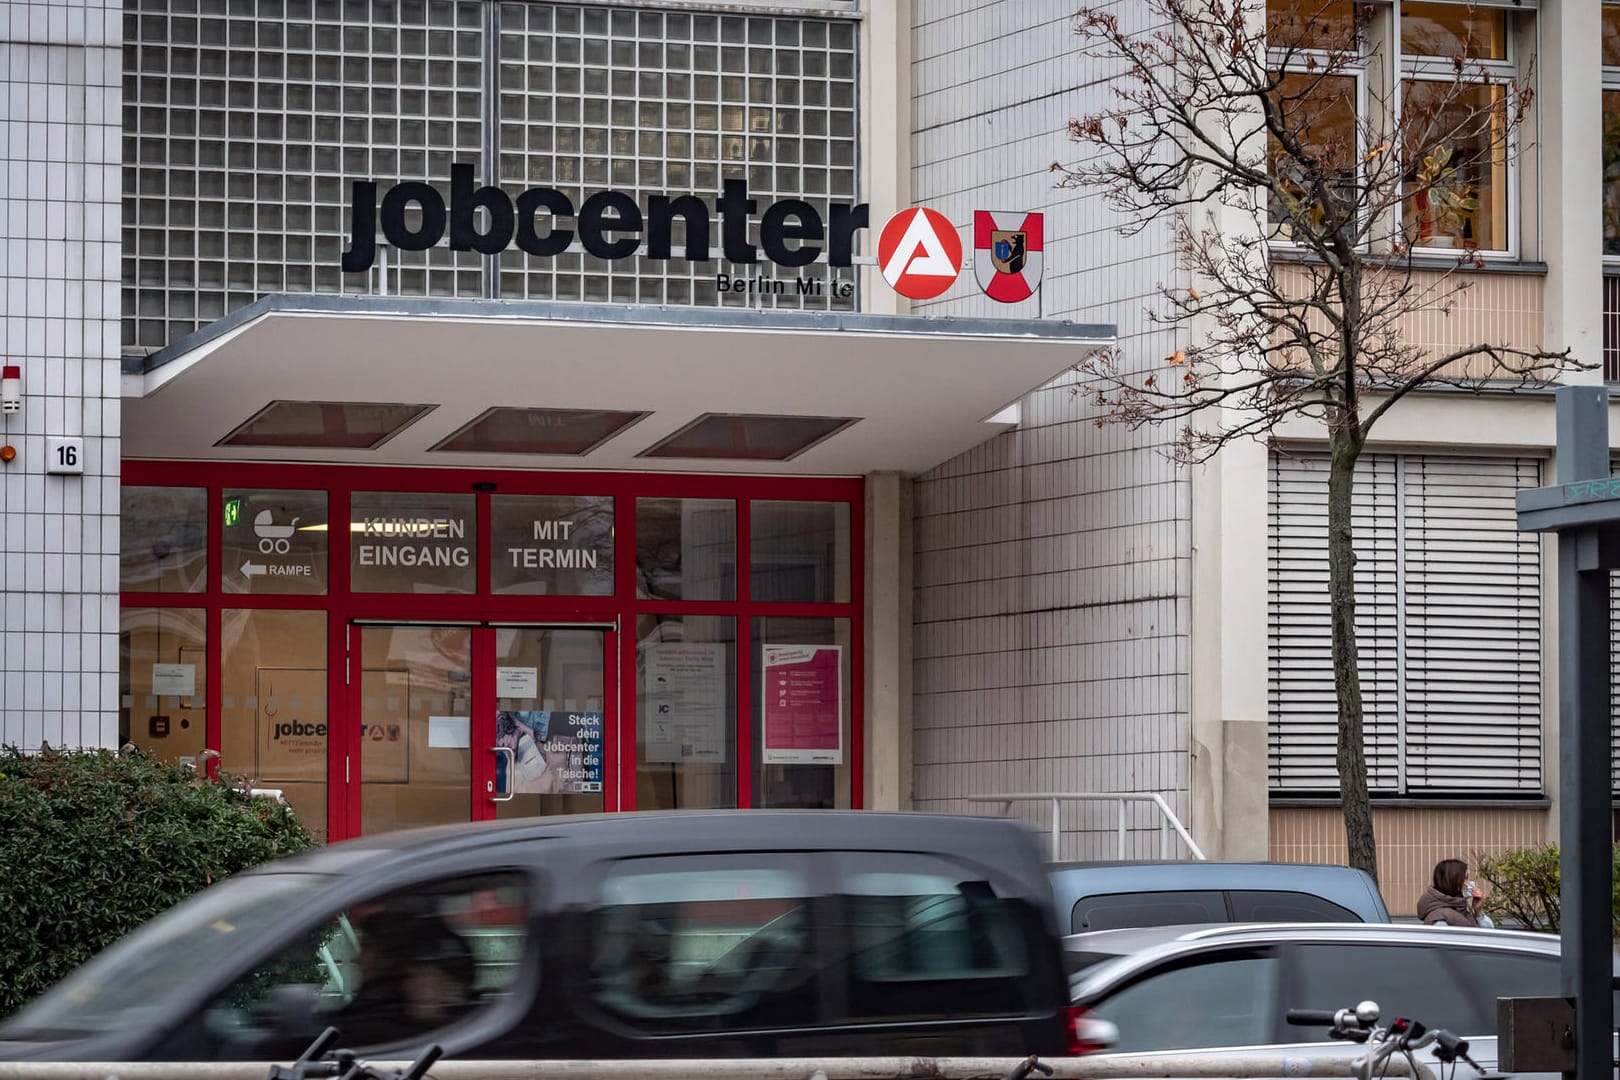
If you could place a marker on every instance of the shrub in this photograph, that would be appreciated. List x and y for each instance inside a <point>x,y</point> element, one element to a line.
<point>1525,888</point>
<point>93,843</point>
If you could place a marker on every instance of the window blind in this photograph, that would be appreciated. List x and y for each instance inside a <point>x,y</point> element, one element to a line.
<point>1448,621</point>
<point>1473,619</point>
<point>1304,723</point>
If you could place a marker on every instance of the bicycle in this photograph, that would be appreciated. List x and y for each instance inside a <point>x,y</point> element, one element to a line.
<point>320,1061</point>
<point>1403,1036</point>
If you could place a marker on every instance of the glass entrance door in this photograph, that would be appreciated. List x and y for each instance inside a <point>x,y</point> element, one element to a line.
<point>413,764</point>
<point>458,722</point>
<point>550,712</point>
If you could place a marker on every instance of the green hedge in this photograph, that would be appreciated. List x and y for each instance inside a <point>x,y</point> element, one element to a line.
<point>1525,888</point>
<point>93,843</point>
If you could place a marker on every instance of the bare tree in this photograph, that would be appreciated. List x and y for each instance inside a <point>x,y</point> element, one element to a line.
<point>1311,224</point>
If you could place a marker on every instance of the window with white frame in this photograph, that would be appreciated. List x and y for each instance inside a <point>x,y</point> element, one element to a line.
<point>1316,49</point>
<point>1448,625</point>
<point>1456,122</point>
<point>1611,131</point>
<point>1468,124</point>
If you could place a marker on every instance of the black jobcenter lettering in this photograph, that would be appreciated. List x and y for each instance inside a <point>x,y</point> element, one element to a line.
<point>610,224</point>
<point>298,728</point>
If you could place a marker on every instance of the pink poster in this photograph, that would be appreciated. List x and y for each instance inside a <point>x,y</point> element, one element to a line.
<point>803,704</point>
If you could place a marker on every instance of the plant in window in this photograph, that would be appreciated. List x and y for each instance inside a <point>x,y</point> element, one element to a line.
<point>1303,168</point>
<point>1443,204</point>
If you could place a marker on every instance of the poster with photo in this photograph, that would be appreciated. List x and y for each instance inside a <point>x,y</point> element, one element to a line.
<point>686,702</point>
<point>553,752</point>
<point>802,704</point>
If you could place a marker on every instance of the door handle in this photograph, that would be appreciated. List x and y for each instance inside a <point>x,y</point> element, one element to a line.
<point>511,774</point>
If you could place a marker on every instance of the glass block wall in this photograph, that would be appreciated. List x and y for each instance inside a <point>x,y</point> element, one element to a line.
<point>246,121</point>
<point>649,102</point>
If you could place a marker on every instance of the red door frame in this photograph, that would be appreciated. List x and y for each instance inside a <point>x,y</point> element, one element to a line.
<point>622,609</point>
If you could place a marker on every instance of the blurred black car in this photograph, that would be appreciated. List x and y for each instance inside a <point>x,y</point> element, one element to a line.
<point>697,934</point>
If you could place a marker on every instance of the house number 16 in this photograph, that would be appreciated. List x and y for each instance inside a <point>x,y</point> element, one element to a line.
<point>64,456</point>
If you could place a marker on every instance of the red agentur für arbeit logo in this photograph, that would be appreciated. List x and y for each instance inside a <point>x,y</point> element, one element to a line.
<point>920,254</point>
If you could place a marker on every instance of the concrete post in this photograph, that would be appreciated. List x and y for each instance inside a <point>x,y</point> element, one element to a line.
<point>888,641</point>
<point>1228,703</point>
<point>886,135</point>
<point>1569,154</point>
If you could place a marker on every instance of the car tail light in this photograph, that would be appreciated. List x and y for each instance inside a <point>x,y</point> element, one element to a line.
<point>1087,1034</point>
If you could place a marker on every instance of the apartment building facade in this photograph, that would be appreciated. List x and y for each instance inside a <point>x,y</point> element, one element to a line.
<point>1153,676</point>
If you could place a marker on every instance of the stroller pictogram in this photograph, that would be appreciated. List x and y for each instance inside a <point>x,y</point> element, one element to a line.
<point>273,537</point>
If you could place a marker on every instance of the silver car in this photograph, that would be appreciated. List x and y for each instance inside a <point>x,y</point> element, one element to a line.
<point>1179,990</point>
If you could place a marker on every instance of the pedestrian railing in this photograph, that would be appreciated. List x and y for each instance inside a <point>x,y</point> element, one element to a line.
<point>1169,824</point>
<point>1192,1066</point>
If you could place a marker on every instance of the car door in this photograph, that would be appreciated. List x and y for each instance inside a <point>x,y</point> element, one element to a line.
<point>1221,998</point>
<point>937,956</point>
<point>451,959</point>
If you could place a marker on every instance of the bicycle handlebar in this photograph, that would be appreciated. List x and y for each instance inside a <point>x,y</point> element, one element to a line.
<point>1401,1036</point>
<point>1313,1017</point>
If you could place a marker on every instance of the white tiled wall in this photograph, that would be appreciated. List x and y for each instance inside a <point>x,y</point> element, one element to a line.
<point>60,180</point>
<point>1052,563</point>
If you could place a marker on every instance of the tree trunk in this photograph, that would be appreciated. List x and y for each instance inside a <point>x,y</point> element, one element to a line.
<point>1352,757</point>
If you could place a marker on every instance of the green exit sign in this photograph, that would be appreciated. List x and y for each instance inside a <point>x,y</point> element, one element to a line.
<point>233,512</point>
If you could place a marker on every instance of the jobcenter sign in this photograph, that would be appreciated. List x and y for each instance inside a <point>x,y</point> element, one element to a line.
<point>609,224</point>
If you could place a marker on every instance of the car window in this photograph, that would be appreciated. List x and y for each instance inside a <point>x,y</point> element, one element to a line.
<point>1224,999</point>
<point>1267,906</point>
<point>703,942</point>
<point>926,936</point>
<point>1419,980</point>
<point>394,970</point>
<point>1490,975</point>
<point>129,985</point>
<point>1116,911</point>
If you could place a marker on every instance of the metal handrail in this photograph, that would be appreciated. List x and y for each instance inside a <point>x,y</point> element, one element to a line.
<point>1167,817</point>
<point>1216,1064</point>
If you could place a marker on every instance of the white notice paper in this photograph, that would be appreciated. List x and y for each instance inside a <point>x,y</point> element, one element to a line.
<point>174,680</point>
<point>523,682</point>
<point>686,702</point>
<point>449,732</point>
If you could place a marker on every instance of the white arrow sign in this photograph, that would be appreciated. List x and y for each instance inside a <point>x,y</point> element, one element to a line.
<point>252,569</point>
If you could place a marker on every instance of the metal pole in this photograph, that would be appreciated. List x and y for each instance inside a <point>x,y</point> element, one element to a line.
<point>1164,838</point>
<point>1585,828</point>
<point>1122,829</point>
<point>1057,832</point>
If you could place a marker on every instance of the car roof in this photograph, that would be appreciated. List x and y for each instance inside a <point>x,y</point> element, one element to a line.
<point>1370,933</point>
<point>1002,843</point>
<point>1152,945</point>
<point>1342,885</point>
